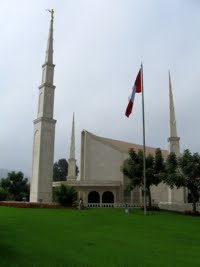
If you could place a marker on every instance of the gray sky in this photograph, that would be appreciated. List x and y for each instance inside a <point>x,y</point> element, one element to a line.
<point>98,49</point>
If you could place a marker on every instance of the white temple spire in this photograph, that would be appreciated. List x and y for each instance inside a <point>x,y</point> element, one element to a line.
<point>44,131</point>
<point>72,160</point>
<point>173,138</point>
<point>173,130</point>
<point>72,145</point>
<point>174,195</point>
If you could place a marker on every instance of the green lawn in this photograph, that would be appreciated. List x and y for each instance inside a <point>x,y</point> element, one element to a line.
<point>97,237</point>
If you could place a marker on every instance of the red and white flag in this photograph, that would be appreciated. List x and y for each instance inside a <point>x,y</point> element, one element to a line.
<point>137,88</point>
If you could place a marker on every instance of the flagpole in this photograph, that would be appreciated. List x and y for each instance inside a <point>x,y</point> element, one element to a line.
<point>144,146</point>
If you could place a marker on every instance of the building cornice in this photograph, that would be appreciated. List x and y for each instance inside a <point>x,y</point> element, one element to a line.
<point>41,119</point>
<point>47,85</point>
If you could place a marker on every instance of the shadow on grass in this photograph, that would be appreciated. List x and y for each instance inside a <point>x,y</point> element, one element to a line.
<point>138,211</point>
<point>8,252</point>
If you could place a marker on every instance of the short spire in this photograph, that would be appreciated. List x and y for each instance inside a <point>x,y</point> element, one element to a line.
<point>72,146</point>
<point>49,51</point>
<point>72,160</point>
<point>174,195</point>
<point>173,138</point>
<point>173,130</point>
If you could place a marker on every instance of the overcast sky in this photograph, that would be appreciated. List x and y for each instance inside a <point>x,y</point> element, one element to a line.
<point>98,49</point>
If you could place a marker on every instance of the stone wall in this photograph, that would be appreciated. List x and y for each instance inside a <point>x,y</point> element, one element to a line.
<point>100,161</point>
<point>177,207</point>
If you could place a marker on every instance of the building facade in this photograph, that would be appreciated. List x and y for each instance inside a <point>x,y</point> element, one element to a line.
<point>101,180</point>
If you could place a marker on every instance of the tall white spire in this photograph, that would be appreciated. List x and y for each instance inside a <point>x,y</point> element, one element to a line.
<point>173,138</point>
<point>72,145</point>
<point>174,195</point>
<point>44,131</point>
<point>72,160</point>
<point>173,130</point>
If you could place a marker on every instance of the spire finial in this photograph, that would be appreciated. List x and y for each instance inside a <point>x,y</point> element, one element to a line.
<point>52,13</point>
<point>49,51</point>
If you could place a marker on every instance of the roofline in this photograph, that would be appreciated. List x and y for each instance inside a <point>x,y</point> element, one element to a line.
<point>105,142</point>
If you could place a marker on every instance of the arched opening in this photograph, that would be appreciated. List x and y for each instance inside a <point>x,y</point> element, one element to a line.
<point>107,197</point>
<point>93,197</point>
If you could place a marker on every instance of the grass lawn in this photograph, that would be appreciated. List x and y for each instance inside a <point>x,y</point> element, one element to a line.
<point>97,237</point>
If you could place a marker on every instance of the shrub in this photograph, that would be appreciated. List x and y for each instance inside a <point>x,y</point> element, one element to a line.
<point>19,204</point>
<point>65,195</point>
<point>191,213</point>
<point>3,194</point>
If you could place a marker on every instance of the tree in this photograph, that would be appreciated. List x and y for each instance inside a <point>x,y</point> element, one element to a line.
<point>65,195</point>
<point>133,169</point>
<point>16,185</point>
<point>3,194</point>
<point>184,172</point>
<point>60,170</point>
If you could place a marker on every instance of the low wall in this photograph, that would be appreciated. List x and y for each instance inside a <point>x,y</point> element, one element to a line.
<point>21,204</point>
<point>109,205</point>
<point>177,206</point>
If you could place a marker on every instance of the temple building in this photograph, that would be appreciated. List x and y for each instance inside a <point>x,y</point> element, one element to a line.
<point>101,180</point>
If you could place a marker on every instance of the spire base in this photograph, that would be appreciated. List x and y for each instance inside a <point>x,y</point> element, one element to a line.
<point>174,145</point>
<point>71,169</point>
<point>173,139</point>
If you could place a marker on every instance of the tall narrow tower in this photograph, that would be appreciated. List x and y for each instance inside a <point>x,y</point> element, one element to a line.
<point>72,160</point>
<point>44,130</point>
<point>174,195</point>
<point>173,139</point>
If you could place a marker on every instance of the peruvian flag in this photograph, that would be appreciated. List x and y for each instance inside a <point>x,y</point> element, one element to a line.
<point>137,88</point>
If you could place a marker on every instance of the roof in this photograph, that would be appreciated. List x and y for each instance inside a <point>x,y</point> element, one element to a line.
<point>125,146</point>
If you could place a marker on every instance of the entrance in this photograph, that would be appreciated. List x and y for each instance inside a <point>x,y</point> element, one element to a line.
<point>107,197</point>
<point>93,197</point>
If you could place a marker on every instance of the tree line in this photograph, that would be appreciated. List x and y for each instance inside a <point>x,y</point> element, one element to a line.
<point>14,187</point>
<point>176,172</point>
<point>183,171</point>
<point>17,188</point>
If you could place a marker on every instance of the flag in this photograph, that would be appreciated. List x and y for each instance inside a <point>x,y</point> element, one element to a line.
<point>137,88</point>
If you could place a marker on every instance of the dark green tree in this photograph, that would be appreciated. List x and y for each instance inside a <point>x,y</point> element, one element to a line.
<point>3,194</point>
<point>133,169</point>
<point>60,170</point>
<point>65,195</point>
<point>184,172</point>
<point>16,185</point>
